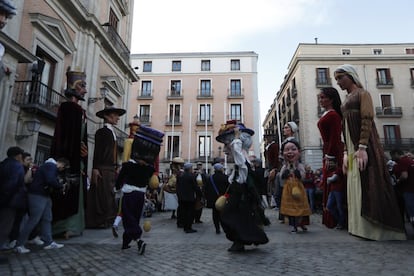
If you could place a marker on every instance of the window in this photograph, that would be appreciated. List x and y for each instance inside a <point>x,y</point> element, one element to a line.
<point>204,146</point>
<point>235,88</point>
<point>235,112</point>
<point>409,51</point>
<point>205,65</point>
<point>412,76</point>
<point>174,113</point>
<point>322,76</point>
<point>173,146</point>
<point>346,52</point>
<point>175,88</point>
<point>44,143</point>
<point>392,134</point>
<point>144,113</point>
<point>176,66</point>
<point>113,19</point>
<point>384,76</point>
<point>205,112</point>
<point>146,88</point>
<point>377,51</point>
<point>147,66</point>
<point>235,65</point>
<point>205,89</point>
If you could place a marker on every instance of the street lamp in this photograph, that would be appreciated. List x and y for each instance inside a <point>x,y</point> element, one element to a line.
<point>103,91</point>
<point>32,127</point>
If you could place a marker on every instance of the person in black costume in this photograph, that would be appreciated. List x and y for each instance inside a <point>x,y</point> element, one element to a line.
<point>241,220</point>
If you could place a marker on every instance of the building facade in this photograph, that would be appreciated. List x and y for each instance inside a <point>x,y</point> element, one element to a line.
<point>189,95</point>
<point>387,72</point>
<point>45,39</point>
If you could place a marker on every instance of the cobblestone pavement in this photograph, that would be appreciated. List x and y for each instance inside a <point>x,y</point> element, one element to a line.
<point>170,251</point>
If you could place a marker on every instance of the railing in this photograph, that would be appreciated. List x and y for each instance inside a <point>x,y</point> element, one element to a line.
<point>145,119</point>
<point>236,93</point>
<point>169,121</point>
<point>204,93</point>
<point>118,43</point>
<point>144,94</point>
<point>175,94</point>
<point>35,96</point>
<point>394,143</point>
<point>388,111</point>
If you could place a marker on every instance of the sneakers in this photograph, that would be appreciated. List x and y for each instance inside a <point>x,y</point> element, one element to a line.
<point>22,250</point>
<point>141,247</point>
<point>36,241</point>
<point>294,230</point>
<point>53,245</point>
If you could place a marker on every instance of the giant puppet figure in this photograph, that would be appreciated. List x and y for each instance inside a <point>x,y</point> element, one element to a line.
<point>134,179</point>
<point>70,141</point>
<point>101,209</point>
<point>241,220</point>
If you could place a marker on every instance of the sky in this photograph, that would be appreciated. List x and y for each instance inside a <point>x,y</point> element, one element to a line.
<point>271,28</point>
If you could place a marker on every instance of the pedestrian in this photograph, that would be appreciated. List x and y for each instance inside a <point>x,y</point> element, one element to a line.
<point>201,178</point>
<point>187,192</point>
<point>333,182</point>
<point>169,190</point>
<point>70,141</point>
<point>12,192</point>
<point>134,179</point>
<point>309,184</point>
<point>29,169</point>
<point>403,170</point>
<point>216,186</point>
<point>240,217</point>
<point>45,182</point>
<point>101,207</point>
<point>295,203</point>
<point>372,206</point>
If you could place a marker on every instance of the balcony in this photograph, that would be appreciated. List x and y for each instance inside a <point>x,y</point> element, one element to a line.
<point>175,94</point>
<point>145,95</point>
<point>36,97</point>
<point>145,120</point>
<point>394,143</point>
<point>204,94</point>
<point>201,121</point>
<point>176,122</point>
<point>388,112</point>
<point>235,94</point>
<point>117,43</point>
<point>385,83</point>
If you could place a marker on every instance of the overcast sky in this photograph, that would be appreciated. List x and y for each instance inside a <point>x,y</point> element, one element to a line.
<point>271,28</point>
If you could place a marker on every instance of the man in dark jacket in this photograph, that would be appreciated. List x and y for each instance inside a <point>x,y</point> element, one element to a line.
<point>216,186</point>
<point>12,190</point>
<point>40,203</point>
<point>187,191</point>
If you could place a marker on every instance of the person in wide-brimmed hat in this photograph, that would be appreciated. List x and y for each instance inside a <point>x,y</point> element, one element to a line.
<point>101,209</point>
<point>241,220</point>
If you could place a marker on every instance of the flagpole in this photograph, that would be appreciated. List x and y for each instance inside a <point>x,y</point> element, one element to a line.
<point>189,134</point>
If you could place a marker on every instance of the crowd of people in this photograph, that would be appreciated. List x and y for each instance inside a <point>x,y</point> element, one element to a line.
<point>356,189</point>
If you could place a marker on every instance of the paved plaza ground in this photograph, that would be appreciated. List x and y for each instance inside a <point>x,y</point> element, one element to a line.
<point>170,251</point>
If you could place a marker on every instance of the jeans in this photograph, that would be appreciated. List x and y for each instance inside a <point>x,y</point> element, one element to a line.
<point>40,211</point>
<point>310,192</point>
<point>335,207</point>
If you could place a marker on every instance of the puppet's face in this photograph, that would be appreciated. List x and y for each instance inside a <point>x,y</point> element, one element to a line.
<point>291,153</point>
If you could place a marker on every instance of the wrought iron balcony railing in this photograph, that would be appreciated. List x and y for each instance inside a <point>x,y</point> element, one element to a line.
<point>389,111</point>
<point>118,43</point>
<point>34,96</point>
<point>394,143</point>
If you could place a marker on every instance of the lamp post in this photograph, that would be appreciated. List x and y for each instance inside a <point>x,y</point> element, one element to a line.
<point>103,91</point>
